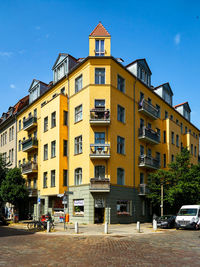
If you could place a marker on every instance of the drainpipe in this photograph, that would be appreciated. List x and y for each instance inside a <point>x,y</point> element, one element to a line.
<point>134,132</point>
<point>15,141</point>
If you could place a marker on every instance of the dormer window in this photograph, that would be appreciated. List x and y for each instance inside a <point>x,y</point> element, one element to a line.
<point>99,48</point>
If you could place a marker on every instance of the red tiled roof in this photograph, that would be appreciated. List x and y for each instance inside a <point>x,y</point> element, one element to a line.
<point>100,31</point>
<point>180,104</point>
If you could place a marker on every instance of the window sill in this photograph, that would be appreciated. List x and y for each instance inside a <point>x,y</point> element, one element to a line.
<point>53,157</point>
<point>77,121</point>
<point>45,159</point>
<point>121,154</point>
<point>53,127</point>
<point>45,187</point>
<point>53,186</point>
<point>78,154</point>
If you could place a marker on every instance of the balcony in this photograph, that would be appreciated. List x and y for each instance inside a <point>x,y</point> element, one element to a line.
<point>29,167</point>
<point>33,192</point>
<point>99,185</point>
<point>99,116</point>
<point>100,151</point>
<point>29,144</point>
<point>29,123</point>
<point>149,136</point>
<point>149,162</point>
<point>143,190</point>
<point>148,109</point>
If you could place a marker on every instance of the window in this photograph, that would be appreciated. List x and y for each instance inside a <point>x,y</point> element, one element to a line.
<point>79,207</point>
<point>177,122</point>
<point>53,119</point>
<point>149,152</point>
<point>29,183</point>
<point>149,125</point>
<point>120,113</point>
<point>12,132</point>
<point>78,113</point>
<point>99,103</point>
<point>19,145</point>
<point>171,117</point>
<point>45,124</point>
<point>78,84</point>
<point>158,109</point>
<point>164,137</point>
<point>45,180</point>
<point>186,129</point>
<point>192,149</point>
<point>46,152</point>
<point>65,147</point>
<point>195,151</point>
<point>20,125</point>
<point>172,158</point>
<point>12,155</point>
<point>120,176</point>
<point>62,91</point>
<point>181,127</point>
<point>65,178</point>
<point>99,172</point>
<point>164,160</point>
<point>99,76</point>
<point>141,96</point>
<point>35,113</point>
<point>99,48</point>
<point>141,150</point>
<point>149,100</point>
<point>53,178</point>
<point>120,145</point>
<point>120,83</point>
<point>53,149</point>
<point>24,160</point>
<point>78,176</point>
<point>172,137</point>
<point>141,123</point>
<point>158,156</point>
<point>166,114</point>
<point>65,117</point>
<point>123,207</point>
<point>141,178</point>
<point>19,163</point>
<point>35,183</point>
<point>10,135</point>
<point>99,137</point>
<point>177,140</point>
<point>78,145</point>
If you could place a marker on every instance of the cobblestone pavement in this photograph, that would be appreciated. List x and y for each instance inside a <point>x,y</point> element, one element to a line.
<point>22,248</point>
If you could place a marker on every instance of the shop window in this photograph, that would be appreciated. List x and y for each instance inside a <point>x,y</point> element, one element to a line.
<point>123,207</point>
<point>79,207</point>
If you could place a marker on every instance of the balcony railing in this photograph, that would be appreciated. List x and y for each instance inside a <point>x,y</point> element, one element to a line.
<point>149,162</point>
<point>100,151</point>
<point>100,116</point>
<point>148,109</point>
<point>29,167</point>
<point>149,135</point>
<point>29,123</point>
<point>143,190</point>
<point>29,144</point>
<point>33,192</point>
<point>99,185</point>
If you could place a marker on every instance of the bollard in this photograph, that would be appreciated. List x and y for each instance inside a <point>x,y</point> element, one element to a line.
<point>138,227</point>
<point>106,228</point>
<point>154,225</point>
<point>76,228</point>
<point>48,226</point>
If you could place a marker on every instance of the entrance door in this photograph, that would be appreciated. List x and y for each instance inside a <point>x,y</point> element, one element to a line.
<point>99,215</point>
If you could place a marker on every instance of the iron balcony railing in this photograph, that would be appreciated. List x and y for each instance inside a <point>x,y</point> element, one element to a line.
<point>99,116</point>
<point>29,167</point>
<point>29,123</point>
<point>148,109</point>
<point>99,185</point>
<point>149,162</point>
<point>100,151</point>
<point>29,144</point>
<point>143,189</point>
<point>149,135</point>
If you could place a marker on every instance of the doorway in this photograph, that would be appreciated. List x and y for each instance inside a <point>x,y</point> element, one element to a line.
<point>99,215</point>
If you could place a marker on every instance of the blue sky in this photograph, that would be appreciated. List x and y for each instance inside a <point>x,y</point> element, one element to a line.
<point>166,33</point>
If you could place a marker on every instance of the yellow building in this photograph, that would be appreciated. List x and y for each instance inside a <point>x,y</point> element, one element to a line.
<point>98,130</point>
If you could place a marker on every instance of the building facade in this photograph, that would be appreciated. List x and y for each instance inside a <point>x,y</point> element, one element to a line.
<point>97,131</point>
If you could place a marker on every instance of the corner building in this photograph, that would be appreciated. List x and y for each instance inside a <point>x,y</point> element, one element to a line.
<point>98,130</point>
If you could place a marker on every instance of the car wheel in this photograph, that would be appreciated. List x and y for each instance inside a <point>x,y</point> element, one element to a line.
<point>177,228</point>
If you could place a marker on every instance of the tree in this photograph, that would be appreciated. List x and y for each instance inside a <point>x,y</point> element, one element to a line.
<point>13,189</point>
<point>181,183</point>
<point>3,171</point>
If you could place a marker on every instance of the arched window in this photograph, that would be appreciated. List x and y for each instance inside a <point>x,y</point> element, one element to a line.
<point>78,176</point>
<point>120,176</point>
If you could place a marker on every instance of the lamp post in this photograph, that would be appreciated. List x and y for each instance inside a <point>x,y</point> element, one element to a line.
<point>162,193</point>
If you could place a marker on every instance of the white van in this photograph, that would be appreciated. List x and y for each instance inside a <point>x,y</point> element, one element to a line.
<point>188,216</point>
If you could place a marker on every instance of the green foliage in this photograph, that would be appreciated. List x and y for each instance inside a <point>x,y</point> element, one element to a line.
<point>13,189</point>
<point>3,169</point>
<point>181,183</point>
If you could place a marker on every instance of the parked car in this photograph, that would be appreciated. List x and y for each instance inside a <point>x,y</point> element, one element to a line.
<point>3,220</point>
<point>166,221</point>
<point>188,217</point>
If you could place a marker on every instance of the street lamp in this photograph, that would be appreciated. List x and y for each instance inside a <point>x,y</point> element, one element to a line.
<point>161,204</point>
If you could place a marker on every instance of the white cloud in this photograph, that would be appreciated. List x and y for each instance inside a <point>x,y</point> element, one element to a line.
<point>177,39</point>
<point>12,86</point>
<point>37,28</point>
<point>5,54</point>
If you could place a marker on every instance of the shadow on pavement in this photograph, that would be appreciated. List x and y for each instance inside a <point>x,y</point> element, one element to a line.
<point>8,231</point>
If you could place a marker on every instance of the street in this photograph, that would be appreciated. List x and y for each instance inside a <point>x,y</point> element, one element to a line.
<point>171,247</point>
